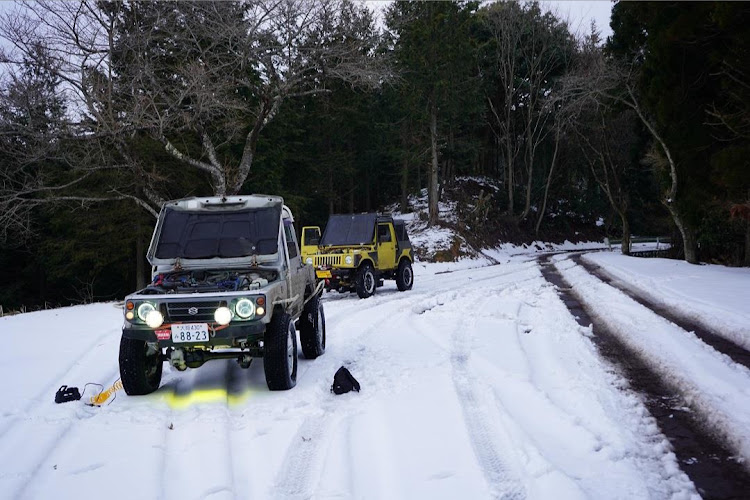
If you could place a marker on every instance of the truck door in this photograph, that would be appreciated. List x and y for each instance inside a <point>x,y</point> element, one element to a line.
<point>310,240</point>
<point>295,268</point>
<point>386,246</point>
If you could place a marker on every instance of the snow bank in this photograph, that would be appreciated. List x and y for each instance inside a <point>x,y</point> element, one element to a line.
<point>716,297</point>
<point>711,382</point>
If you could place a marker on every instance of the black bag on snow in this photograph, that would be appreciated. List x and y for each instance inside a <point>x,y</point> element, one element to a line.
<point>344,382</point>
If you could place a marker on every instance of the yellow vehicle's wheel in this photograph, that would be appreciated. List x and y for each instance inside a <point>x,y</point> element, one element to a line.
<point>404,275</point>
<point>365,281</point>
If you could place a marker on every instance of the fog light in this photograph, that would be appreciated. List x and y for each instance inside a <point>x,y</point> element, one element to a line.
<point>223,316</point>
<point>129,315</point>
<point>260,311</point>
<point>154,319</point>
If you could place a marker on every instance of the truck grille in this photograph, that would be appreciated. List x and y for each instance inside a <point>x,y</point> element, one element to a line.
<point>328,260</point>
<point>180,311</point>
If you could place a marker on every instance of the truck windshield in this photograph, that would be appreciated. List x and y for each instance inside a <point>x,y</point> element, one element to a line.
<point>349,230</point>
<point>200,234</point>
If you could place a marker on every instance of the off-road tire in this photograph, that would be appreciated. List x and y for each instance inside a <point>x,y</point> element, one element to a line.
<point>312,328</point>
<point>280,354</point>
<point>404,276</point>
<point>365,282</point>
<point>140,372</point>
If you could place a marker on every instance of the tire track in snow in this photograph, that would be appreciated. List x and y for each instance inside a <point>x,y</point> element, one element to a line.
<point>719,342</point>
<point>206,427</point>
<point>705,460</point>
<point>380,299</point>
<point>43,453</point>
<point>44,396</point>
<point>304,459</point>
<point>487,439</point>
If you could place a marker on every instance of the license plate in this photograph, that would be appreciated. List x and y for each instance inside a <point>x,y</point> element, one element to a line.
<point>190,332</point>
<point>323,274</point>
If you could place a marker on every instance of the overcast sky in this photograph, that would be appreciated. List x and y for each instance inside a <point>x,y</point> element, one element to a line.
<point>578,12</point>
<point>581,12</point>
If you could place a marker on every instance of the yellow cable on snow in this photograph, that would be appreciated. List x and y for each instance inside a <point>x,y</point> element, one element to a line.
<point>103,396</point>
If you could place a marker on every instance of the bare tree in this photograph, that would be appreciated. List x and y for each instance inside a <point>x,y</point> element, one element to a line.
<point>560,125</point>
<point>532,50</point>
<point>608,81</point>
<point>606,144</point>
<point>202,79</point>
<point>505,21</point>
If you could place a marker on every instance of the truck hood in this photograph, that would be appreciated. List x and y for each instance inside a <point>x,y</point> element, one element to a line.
<point>215,238</point>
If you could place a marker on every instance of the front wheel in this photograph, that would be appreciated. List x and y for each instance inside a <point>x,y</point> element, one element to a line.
<point>312,328</point>
<point>365,281</point>
<point>280,354</point>
<point>140,367</point>
<point>404,276</point>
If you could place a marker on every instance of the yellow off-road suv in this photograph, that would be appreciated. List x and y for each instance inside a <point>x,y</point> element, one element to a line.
<point>357,252</point>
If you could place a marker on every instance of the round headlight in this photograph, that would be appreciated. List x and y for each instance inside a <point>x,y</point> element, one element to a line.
<point>348,259</point>
<point>154,319</point>
<point>144,309</point>
<point>308,260</point>
<point>223,315</point>
<point>244,308</point>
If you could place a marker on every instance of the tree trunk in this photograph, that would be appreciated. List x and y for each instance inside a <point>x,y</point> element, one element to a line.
<point>510,177</point>
<point>625,245</point>
<point>433,177</point>
<point>330,191</point>
<point>368,200</point>
<point>350,194</point>
<point>688,235</point>
<point>527,206</point>
<point>404,186</point>
<point>549,181</point>
<point>140,253</point>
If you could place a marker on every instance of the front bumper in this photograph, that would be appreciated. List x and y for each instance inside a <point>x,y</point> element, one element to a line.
<point>227,336</point>
<point>337,279</point>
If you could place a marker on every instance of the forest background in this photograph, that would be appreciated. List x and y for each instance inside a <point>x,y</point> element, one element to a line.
<point>109,109</point>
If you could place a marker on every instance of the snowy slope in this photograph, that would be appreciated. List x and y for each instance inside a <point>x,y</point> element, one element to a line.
<point>478,383</point>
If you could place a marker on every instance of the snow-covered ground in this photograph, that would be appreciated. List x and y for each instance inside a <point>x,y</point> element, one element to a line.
<point>714,385</point>
<point>717,297</point>
<point>478,383</point>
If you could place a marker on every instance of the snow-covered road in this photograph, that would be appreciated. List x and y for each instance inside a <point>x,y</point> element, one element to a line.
<point>478,383</point>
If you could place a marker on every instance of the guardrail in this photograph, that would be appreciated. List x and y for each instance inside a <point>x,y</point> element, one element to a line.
<point>663,245</point>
